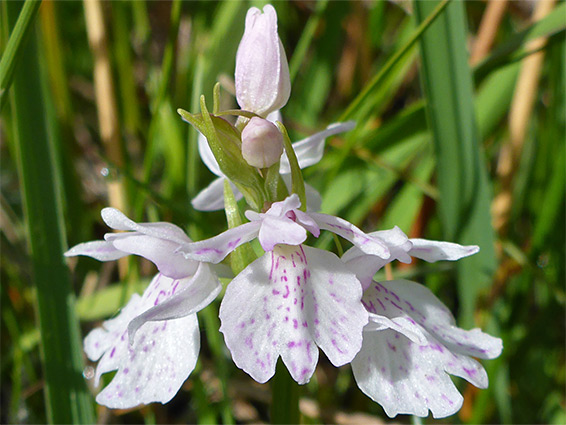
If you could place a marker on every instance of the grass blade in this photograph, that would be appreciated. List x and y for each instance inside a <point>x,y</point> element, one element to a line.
<point>462,179</point>
<point>15,44</point>
<point>67,400</point>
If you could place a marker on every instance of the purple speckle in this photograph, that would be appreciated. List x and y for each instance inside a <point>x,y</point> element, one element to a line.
<point>112,352</point>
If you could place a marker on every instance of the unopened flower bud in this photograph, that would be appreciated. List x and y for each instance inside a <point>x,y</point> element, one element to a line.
<point>262,143</point>
<point>262,71</point>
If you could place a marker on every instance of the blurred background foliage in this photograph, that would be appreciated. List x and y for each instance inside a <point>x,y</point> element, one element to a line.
<point>473,154</point>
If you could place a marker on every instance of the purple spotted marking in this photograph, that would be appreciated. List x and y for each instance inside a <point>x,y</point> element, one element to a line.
<point>291,344</point>
<point>295,323</point>
<point>113,352</point>
<point>126,370</point>
<point>275,292</point>
<point>248,341</point>
<point>470,372</point>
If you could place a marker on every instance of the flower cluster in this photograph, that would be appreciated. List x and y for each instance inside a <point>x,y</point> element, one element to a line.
<point>401,341</point>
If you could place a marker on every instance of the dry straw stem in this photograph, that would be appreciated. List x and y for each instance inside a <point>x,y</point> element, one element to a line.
<point>106,105</point>
<point>521,109</point>
<point>488,29</point>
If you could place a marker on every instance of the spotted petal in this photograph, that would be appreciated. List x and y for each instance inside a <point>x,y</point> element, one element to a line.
<point>156,365</point>
<point>197,292</point>
<point>404,298</point>
<point>407,374</point>
<point>287,302</point>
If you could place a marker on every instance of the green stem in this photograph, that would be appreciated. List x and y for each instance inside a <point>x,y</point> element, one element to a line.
<point>284,397</point>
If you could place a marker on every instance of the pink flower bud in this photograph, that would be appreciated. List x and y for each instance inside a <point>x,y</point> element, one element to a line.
<point>262,71</point>
<point>262,143</point>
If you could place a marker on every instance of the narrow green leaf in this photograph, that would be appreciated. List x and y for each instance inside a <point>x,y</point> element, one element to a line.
<point>462,178</point>
<point>513,49</point>
<point>14,47</point>
<point>424,25</point>
<point>67,399</point>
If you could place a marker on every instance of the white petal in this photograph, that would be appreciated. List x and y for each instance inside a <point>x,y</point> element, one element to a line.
<point>279,209</point>
<point>401,297</point>
<point>211,198</point>
<point>366,266</point>
<point>118,221</point>
<point>207,156</point>
<point>156,365</point>
<point>215,249</point>
<point>309,151</point>
<point>347,230</point>
<point>405,377</point>
<point>287,302</point>
<point>185,297</point>
<point>161,252</point>
<point>99,250</point>
<point>432,251</point>
<point>275,231</point>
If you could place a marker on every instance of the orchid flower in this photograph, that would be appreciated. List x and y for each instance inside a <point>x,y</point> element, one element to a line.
<point>411,343</point>
<point>309,151</point>
<point>293,298</point>
<point>154,341</point>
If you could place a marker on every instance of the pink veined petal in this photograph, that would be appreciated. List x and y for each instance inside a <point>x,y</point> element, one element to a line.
<point>309,151</point>
<point>207,156</point>
<point>402,297</point>
<point>432,251</point>
<point>185,297</point>
<point>155,366</point>
<point>211,198</point>
<point>405,377</point>
<point>118,221</point>
<point>215,249</point>
<point>275,231</point>
<point>287,302</point>
<point>347,230</point>
<point>161,252</point>
<point>99,250</point>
